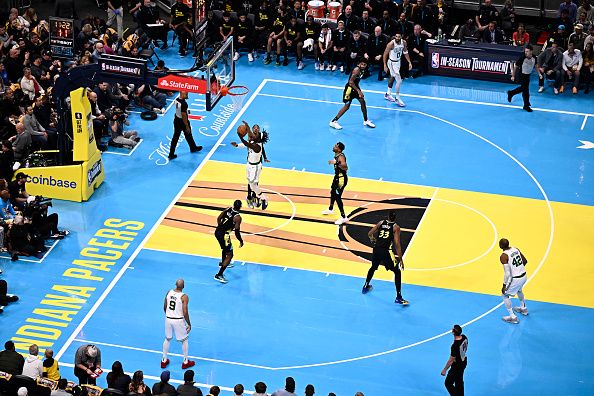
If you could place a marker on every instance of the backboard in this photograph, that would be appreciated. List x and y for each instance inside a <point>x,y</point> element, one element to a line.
<point>220,71</point>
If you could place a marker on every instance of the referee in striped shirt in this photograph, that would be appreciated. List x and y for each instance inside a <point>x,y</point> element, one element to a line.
<point>526,63</point>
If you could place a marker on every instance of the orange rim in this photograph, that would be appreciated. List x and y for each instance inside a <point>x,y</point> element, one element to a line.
<point>235,90</point>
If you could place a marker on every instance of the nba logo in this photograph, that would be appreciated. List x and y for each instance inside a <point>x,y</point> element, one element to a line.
<point>435,60</point>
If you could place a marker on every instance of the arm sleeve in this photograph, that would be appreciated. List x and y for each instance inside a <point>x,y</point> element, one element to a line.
<point>507,277</point>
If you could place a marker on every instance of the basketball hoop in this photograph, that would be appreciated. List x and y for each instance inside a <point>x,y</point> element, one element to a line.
<point>237,93</point>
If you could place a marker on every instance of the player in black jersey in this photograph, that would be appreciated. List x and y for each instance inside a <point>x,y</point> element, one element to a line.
<point>228,220</point>
<point>227,26</point>
<point>293,40</point>
<point>338,183</point>
<point>276,36</point>
<point>352,91</point>
<point>262,25</point>
<point>243,37</point>
<point>181,22</point>
<point>385,235</point>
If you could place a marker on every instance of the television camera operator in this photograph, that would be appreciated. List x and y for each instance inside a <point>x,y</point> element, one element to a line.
<point>23,239</point>
<point>119,138</point>
<point>34,208</point>
<point>43,224</point>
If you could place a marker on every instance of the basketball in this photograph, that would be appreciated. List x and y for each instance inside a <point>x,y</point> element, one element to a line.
<point>242,130</point>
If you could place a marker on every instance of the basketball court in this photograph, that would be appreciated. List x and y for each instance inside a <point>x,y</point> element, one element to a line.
<point>462,168</point>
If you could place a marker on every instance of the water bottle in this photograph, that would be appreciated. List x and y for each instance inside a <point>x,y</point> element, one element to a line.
<point>439,34</point>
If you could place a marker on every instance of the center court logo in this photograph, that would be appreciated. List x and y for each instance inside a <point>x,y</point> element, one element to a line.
<point>435,60</point>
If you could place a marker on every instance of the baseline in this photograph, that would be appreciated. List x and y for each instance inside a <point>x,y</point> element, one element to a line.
<point>433,98</point>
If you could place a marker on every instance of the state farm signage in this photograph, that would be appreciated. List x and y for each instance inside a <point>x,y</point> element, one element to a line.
<point>182,83</point>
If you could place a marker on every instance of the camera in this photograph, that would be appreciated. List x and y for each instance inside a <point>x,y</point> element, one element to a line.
<point>116,114</point>
<point>37,206</point>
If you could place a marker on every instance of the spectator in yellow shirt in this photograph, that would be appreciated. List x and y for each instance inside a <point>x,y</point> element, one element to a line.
<point>51,369</point>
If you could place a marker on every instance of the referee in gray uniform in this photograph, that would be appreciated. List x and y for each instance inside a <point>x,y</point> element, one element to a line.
<point>526,63</point>
<point>181,123</point>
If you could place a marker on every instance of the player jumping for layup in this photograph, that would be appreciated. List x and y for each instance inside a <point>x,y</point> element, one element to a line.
<point>228,220</point>
<point>256,153</point>
<point>392,57</point>
<point>177,320</point>
<point>338,183</point>
<point>513,280</point>
<point>352,91</point>
<point>384,235</point>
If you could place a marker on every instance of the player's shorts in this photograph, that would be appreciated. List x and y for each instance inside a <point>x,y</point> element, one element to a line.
<point>382,257</point>
<point>349,94</point>
<point>339,183</point>
<point>253,172</point>
<point>177,327</point>
<point>516,285</point>
<point>394,68</point>
<point>293,46</point>
<point>224,241</point>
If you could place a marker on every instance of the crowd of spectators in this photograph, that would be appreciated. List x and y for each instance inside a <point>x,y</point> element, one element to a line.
<point>364,27</point>
<point>34,376</point>
<point>278,29</point>
<point>28,69</point>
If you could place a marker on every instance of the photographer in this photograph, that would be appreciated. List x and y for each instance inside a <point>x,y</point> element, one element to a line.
<point>42,224</point>
<point>22,239</point>
<point>127,139</point>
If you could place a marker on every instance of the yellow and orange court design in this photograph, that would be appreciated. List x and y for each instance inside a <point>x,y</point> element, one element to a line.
<point>450,235</point>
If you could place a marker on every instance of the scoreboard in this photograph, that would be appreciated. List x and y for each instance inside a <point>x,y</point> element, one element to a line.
<point>61,37</point>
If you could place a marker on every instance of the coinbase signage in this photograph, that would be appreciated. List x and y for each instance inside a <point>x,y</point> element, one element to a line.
<point>50,181</point>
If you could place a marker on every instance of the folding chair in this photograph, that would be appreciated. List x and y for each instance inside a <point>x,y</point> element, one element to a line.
<point>149,52</point>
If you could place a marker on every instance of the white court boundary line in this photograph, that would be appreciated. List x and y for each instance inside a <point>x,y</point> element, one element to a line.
<point>38,261</point>
<point>237,117</point>
<point>172,354</point>
<point>584,122</point>
<point>154,227</point>
<point>126,154</point>
<point>282,224</point>
<point>433,98</point>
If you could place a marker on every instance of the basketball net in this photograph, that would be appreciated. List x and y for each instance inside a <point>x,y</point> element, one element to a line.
<point>238,94</point>
<point>237,102</point>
